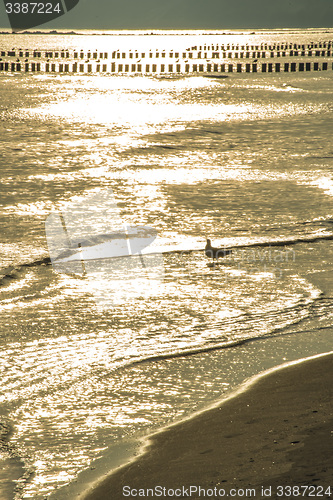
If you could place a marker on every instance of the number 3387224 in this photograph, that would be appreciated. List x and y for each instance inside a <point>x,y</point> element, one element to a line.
<point>32,8</point>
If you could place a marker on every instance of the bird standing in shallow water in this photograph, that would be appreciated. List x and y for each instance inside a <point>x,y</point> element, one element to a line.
<point>215,253</point>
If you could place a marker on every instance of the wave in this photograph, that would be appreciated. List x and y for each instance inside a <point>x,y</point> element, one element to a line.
<point>289,241</point>
<point>202,350</point>
<point>288,318</point>
<point>9,272</point>
<point>267,243</point>
<point>276,331</point>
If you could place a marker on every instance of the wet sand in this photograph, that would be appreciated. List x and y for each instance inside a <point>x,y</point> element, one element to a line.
<point>277,432</point>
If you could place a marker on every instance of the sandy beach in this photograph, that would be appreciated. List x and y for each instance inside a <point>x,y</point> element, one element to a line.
<point>274,435</point>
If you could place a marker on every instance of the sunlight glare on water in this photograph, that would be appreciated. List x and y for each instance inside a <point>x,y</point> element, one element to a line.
<point>85,364</point>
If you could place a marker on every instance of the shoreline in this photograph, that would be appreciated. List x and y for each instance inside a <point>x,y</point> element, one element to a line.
<point>153,465</point>
<point>276,353</point>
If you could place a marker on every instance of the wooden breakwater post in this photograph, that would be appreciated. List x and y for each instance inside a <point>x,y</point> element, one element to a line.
<point>203,59</point>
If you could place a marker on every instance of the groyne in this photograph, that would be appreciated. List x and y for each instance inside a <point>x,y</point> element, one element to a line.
<point>206,59</point>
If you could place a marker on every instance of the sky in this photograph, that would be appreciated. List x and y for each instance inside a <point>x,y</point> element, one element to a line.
<point>192,14</point>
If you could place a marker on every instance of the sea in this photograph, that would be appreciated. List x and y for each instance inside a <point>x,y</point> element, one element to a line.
<point>93,360</point>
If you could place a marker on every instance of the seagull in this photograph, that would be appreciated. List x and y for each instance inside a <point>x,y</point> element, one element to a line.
<point>215,253</point>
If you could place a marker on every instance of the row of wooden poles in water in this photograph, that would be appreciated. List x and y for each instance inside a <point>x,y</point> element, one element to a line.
<point>113,68</point>
<point>278,57</point>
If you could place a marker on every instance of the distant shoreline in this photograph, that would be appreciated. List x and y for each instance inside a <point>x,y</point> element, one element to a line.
<point>157,32</point>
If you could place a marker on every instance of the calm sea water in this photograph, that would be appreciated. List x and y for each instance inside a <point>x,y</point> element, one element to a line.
<point>243,160</point>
